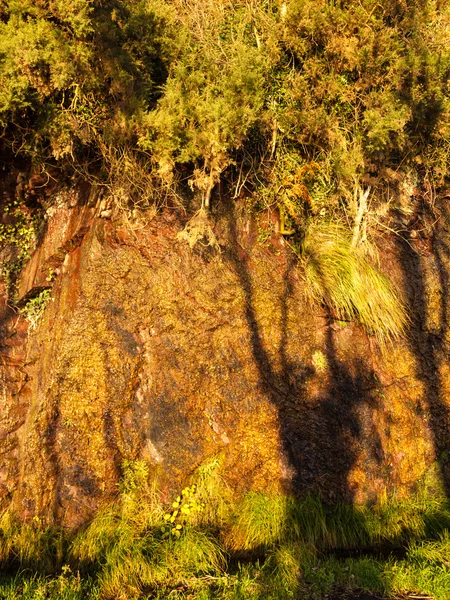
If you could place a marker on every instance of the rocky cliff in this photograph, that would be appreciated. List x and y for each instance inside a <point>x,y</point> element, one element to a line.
<point>149,350</point>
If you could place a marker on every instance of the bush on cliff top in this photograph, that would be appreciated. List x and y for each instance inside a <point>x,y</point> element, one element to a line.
<point>203,88</point>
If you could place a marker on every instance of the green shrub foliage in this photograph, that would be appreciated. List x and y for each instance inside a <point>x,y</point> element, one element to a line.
<point>74,76</point>
<point>215,86</point>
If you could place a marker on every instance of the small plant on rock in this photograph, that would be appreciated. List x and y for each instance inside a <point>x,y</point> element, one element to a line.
<point>183,506</point>
<point>35,307</point>
<point>340,276</point>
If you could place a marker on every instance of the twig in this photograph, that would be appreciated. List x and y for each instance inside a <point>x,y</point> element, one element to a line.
<point>362,207</point>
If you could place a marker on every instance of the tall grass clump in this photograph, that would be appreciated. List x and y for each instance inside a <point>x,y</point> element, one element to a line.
<point>119,526</point>
<point>260,521</point>
<point>399,521</point>
<point>340,276</point>
<point>130,547</point>
<point>32,545</point>
<point>213,495</point>
<point>285,567</point>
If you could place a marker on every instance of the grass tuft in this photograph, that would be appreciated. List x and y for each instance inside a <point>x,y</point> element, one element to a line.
<point>340,276</point>
<point>213,494</point>
<point>283,566</point>
<point>31,545</point>
<point>259,523</point>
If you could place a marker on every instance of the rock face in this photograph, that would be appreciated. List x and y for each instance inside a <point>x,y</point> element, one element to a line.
<point>149,350</point>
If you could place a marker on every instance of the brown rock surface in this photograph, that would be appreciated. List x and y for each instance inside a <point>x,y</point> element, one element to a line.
<point>150,350</point>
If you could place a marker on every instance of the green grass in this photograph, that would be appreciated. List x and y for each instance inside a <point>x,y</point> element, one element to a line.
<point>424,571</point>
<point>131,547</point>
<point>65,586</point>
<point>262,520</point>
<point>281,576</point>
<point>340,276</point>
<point>34,544</point>
<point>258,546</point>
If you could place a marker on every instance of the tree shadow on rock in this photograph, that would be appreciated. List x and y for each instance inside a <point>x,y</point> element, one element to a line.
<point>320,437</point>
<point>424,261</point>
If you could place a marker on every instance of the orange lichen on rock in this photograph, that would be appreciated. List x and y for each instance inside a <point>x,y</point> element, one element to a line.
<point>150,350</point>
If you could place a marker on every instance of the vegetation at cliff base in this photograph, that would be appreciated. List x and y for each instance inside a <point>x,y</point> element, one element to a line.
<point>209,544</point>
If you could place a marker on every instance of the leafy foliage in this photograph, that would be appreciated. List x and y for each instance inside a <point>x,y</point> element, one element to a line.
<point>207,84</point>
<point>35,307</point>
<point>18,235</point>
<point>75,76</point>
<point>301,103</point>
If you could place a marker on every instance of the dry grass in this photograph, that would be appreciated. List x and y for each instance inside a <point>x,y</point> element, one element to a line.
<point>341,277</point>
<point>199,231</point>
